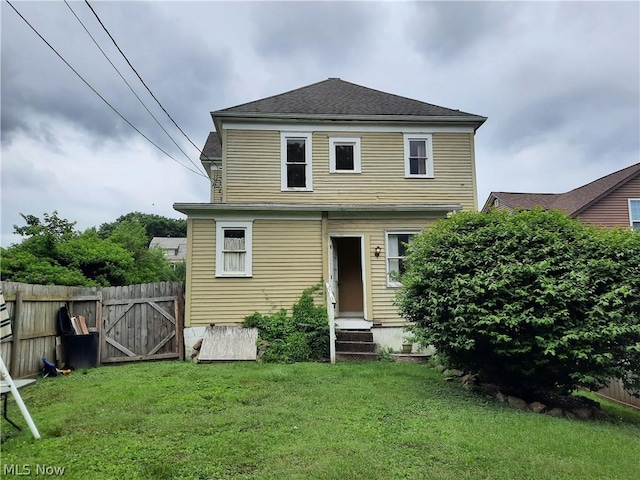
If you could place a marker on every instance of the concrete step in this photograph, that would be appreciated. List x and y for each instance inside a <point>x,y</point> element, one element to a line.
<point>347,356</point>
<point>366,347</point>
<point>354,336</point>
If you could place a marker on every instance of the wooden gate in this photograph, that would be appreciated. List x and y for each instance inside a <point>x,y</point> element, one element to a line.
<point>142,322</point>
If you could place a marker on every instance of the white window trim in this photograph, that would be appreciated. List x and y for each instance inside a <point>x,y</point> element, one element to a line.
<point>428,138</point>
<point>629,205</point>
<point>283,161</point>
<point>355,141</point>
<point>393,283</point>
<point>248,243</point>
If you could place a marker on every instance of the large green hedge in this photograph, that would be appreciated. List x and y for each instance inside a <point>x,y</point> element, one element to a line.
<point>532,300</point>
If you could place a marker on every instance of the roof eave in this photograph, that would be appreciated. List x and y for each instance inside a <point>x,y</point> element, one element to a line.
<point>622,182</point>
<point>189,208</point>
<point>219,117</point>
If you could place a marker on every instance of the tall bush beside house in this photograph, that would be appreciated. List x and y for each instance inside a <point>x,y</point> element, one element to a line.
<point>532,300</point>
<point>300,337</point>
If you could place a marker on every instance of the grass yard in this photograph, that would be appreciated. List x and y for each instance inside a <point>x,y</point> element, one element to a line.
<point>268,421</point>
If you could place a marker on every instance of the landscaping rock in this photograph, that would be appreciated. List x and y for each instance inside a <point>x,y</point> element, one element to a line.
<point>556,412</point>
<point>583,413</point>
<point>517,403</point>
<point>488,389</point>
<point>537,407</point>
<point>569,414</point>
<point>468,378</point>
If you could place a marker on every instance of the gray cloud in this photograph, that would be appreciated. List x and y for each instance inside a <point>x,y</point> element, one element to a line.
<point>328,32</point>
<point>450,31</point>
<point>182,84</point>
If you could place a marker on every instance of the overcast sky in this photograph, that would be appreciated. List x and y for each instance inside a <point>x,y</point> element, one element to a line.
<point>559,82</point>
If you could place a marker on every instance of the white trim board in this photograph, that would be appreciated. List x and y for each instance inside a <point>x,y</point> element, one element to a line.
<point>318,127</point>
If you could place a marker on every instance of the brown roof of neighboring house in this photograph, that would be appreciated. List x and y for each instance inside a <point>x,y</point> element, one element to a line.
<point>336,97</point>
<point>573,202</point>
<point>212,148</point>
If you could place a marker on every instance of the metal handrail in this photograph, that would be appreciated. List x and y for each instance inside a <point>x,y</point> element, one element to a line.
<point>331,313</point>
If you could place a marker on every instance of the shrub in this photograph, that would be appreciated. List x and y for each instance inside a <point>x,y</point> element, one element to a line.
<point>532,300</point>
<point>301,337</point>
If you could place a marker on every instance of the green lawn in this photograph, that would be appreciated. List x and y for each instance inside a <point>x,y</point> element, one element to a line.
<point>348,421</point>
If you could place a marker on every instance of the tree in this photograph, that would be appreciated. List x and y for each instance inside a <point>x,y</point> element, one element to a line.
<point>54,253</point>
<point>150,264</point>
<point>154,225</point>
<point>532,300</point>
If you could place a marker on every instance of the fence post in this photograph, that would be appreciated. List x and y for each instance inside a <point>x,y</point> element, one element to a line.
<point>15,340</point>
<point>99,324</point>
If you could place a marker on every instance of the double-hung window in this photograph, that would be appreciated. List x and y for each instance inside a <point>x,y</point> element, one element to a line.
<point>344,155</point>
<point>295,152</point>
<point>396,251</point>
<point>233,249</point>
<point>418,156</point>
<point>634,213</point>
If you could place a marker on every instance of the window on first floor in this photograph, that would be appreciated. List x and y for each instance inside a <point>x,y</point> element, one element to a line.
<point>233,249</point>
<point>634,213</point>
<point>295,151</point>
<point>418,156</point>
<point>396,251</point>
<point>344,155</point>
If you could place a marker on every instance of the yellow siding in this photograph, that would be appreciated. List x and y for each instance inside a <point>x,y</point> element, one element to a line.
<point>383,311</point>
<point>287,258</point>
<point>252,171</point>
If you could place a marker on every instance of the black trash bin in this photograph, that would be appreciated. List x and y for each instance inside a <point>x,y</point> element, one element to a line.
<point>80,351</point>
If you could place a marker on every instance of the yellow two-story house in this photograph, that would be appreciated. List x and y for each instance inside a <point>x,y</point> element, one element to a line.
<point>327,183</point>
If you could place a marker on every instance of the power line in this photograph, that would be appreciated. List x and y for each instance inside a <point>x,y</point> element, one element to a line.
<point>136,72</point>
<point>128,85</point>
<point>98,94</point>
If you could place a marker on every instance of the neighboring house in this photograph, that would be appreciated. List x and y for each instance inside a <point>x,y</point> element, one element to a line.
<point>174,249</point>
<point>610,201</point>
<point>323,183</point>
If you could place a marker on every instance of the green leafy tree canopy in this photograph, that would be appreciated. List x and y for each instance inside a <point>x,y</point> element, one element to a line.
<point>54,253</point>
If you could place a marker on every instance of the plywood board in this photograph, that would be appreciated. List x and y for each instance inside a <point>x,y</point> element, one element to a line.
<point>228,343</point>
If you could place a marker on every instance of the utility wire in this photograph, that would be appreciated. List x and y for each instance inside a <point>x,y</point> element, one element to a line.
<point>98,94</point>
<point>128,85</point>
<point>136,72</point>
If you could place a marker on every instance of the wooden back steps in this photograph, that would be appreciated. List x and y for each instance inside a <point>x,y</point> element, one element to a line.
<point>355,345</point>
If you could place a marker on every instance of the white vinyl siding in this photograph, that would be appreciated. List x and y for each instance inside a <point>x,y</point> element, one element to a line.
<point>344,155</point>
<point>418,156</point>
<point>296,162</point>
<point>634,213</point>
<point>233,249</point>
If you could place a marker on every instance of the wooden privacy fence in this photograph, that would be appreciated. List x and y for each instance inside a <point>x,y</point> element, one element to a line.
<point>134,323</point>
<point>615,391</point>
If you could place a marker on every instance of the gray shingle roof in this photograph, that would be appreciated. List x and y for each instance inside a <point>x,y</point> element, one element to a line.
<point>174,248</point>
<point>573,202</point>
<point>212,148</point>
<point>337,97</point>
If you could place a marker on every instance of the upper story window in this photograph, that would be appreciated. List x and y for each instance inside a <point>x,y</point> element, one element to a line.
<point>418,156</point>
<point>295,152</point>
<point>634,213</point>
<point>396,251</point>
<point>344,155</point>
<point>233,249</point>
